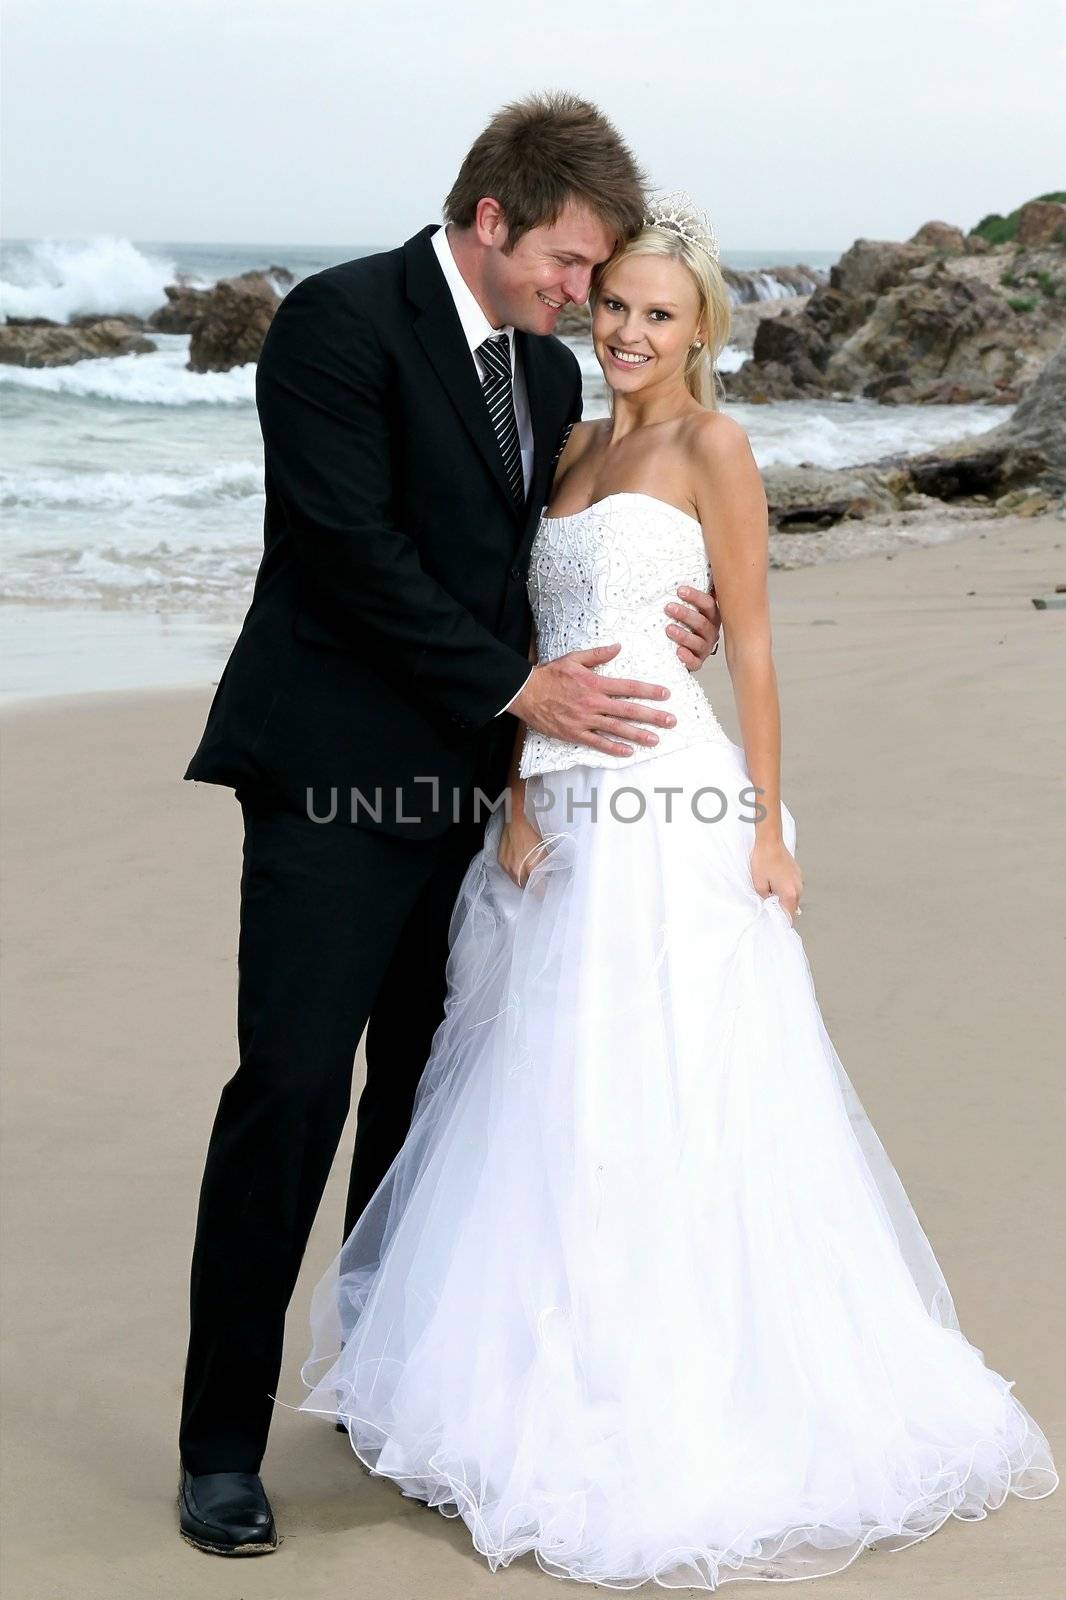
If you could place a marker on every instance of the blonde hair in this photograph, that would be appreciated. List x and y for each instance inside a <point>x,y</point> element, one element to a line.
<point>702,379</point>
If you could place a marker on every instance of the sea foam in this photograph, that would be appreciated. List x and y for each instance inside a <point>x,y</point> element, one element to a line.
<point>64,278</point>
<point>233,480</point>
<point>157,379</point>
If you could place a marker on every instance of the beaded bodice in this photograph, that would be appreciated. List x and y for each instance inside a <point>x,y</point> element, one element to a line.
<point>605,575</point>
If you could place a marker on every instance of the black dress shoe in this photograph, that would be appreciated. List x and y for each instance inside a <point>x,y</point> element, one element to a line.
<point>226,1513</point>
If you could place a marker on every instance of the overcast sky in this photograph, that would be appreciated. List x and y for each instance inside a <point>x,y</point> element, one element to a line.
<point>340,122</point>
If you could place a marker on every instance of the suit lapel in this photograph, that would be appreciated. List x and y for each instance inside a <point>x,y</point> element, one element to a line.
<point>546,418</point>
<point>440,333</point>
<point>541,412</point>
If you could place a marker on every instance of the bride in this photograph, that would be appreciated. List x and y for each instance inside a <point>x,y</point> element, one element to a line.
<point>642,1293</point>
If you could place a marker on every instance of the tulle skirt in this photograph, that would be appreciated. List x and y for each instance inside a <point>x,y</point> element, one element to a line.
<point>642,1293</point>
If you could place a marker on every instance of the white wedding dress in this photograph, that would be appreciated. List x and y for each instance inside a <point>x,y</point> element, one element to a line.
<point>642,1293</point>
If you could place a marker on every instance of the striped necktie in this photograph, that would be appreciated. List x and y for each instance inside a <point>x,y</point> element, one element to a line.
<point>495,352</point>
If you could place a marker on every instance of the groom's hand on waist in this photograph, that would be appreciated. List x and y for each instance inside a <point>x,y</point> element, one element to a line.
<point>697,625</point>
<point>566,699</point>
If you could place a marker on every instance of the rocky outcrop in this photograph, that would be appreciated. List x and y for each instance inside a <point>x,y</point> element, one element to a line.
<point>1028,450</point>
<point>231,322</point>
<point>89,319</point>
<point>935,337</point>
<point>186,303</point>
<point>941,236</point>
<point>772,283</point>
<point>37,342</point>
<point>181,310</point>
<point>226,323</point>
<point>1018,467</point>
<point>943,317</point>
<point>807,497</point>
<point>1031,223</point>
<point>1041,222</point>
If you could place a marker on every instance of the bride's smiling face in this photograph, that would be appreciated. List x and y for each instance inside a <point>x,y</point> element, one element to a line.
<point>549,267</point>
<point>646,317</point>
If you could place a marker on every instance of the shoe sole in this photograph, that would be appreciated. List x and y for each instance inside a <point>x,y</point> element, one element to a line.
<point>227,1549</point>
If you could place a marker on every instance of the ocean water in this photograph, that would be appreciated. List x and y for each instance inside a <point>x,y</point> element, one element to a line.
<point>131,489</point>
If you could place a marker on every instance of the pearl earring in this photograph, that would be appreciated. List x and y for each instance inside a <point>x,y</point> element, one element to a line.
<point>697,344</point>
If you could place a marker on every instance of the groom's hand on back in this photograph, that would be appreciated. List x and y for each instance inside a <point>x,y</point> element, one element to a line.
<point>566,700</point>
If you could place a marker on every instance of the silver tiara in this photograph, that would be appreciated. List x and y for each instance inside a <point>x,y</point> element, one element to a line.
<point>678,213</point>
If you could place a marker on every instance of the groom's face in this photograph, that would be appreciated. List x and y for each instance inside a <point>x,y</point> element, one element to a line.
<point>549,267</point>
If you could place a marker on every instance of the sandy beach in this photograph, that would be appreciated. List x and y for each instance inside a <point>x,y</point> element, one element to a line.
<point>924,762</point>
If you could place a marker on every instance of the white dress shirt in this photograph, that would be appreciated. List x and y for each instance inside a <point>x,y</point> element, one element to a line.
<point>476,329</point>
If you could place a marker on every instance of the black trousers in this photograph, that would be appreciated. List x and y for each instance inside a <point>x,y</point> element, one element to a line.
<point>341,928</point>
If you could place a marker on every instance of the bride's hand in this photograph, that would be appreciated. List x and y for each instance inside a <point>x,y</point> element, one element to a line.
<point>774,871</point>
<point>518,850</point>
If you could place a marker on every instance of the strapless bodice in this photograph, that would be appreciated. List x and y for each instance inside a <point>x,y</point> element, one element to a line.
<point>604,575</point>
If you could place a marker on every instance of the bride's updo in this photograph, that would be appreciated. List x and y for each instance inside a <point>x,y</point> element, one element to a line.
<point>675,227</point>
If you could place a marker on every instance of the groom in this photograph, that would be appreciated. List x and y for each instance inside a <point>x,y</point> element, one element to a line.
<point>412,404</point>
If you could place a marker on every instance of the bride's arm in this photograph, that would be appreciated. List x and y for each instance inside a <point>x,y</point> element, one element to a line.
<point>733,511</point>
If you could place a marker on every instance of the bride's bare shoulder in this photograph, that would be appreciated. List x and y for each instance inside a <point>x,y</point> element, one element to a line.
<point>715,440</point>
<point>729,492</point>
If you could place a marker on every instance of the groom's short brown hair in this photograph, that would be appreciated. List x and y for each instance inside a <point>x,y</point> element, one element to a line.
<point>540,152</point>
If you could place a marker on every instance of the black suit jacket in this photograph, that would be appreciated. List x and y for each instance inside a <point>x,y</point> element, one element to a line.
<point>389,620</point>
